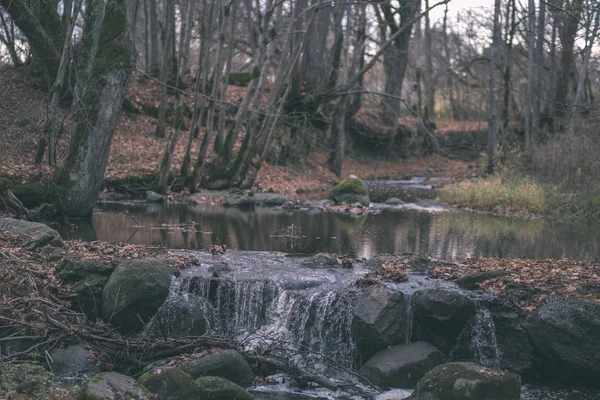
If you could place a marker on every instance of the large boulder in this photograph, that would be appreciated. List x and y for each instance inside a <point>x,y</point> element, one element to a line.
<point>467,381</point>
<point>88,278</point>
<point>351,190</point>
<point>440,316</point>
<point>111,385</point>
<point>181,316</point>
<point>227,364</point>
<point>565,332</point>
<point>136,289</point>
<point>170,384</point>
<point>380,320</point>
<point>38,231</point>
<point>73,360</point>
<point>25,381</point>
<point>403,365</point>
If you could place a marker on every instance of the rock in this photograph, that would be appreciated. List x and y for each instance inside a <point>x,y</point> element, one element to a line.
<point>351,190</point>
<point>396,394</point>
<point>321,260</point>
<point>24,381</point>
<point>239,199</point>
<point>170,384</point>
<point>219,268</point>
<point>467,381</point>
<point>181,316</point>
<point>289,205</point>
<point>394,201</point>
<point>44,212</point>
<point>403,365</point>
<point>72,361</point>
<point>278,393</point>
<point>227,364</point>
<point>269,199</point>
<point>26,228</point>
<point>515,349</point>
<point>153,197</point>
<point>111,385</point>
<point>471,282</point>
<point>440,316</point>
<point>350,198</point>
<point>380,320</point>
<point>565,333</point>
<point>215,388</point>
<point>136,287</point>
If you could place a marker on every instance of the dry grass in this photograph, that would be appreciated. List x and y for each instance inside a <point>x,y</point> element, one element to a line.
<point>506,192</point>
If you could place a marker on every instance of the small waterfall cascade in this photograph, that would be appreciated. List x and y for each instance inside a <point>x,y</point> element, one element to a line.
<point>484,346</point>
<point>262,314</point>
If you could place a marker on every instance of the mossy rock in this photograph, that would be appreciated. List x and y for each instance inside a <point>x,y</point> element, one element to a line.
<point>321,260</point>
<point>351,185</point>
<point>472,281</point>
<point>467,381</point>
<point>171,384</point>
<point>240,78</point>
<point>111,385</point>
<point>215,388</point>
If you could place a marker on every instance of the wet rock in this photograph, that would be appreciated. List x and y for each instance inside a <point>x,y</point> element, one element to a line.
<point>514,346</point>
<point>153,197</point>
<point>181,316</point>
<point>321,260</point>
<point>467,381</point>
<point>219,268</point>
<point>171,384</point>
<point>42,213</point>
<point>565,332</point>
<point>403,365</point>
<point>471,282</point>
<point>440,316</point>
<point>269,393</point>
<point>27,228</point>
<point>394,201</point>
<point>380,320</point>
<point>215,388</point>
<point>111,385</point>
<point>88,278</point>
<point>73,360</point>
<point>227,364</point>
<point>136,288</point>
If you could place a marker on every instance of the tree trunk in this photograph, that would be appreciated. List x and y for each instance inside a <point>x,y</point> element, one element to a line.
<point>429,77</point>
<point>531,78</point>
<point>164,70</point>
<point>154,60</point>
<point>106,62</point>
<point>493,91</point>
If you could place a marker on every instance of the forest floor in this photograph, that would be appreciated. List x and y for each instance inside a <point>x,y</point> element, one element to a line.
<point>136,152</point>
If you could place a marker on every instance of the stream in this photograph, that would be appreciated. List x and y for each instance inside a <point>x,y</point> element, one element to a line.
<point>275,301</point>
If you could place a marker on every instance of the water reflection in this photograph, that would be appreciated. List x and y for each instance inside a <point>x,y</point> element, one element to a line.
<point>446,235</point>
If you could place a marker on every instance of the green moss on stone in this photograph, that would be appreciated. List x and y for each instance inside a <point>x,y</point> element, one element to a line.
<point>351,185</point>
<point>240,78</point>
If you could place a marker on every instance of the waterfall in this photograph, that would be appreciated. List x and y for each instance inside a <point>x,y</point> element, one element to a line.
<point>484,346</point>
<point>262,314</point>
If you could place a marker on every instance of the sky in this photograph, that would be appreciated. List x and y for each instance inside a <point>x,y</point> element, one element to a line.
<point>455,6</point>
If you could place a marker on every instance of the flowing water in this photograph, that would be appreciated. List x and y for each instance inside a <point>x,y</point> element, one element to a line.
<point>301,312</point>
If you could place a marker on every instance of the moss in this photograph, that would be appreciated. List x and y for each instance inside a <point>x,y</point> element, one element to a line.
<point>112,51</point>
<point>35,194</point>
<point>240,78</point>
<point>129,107</point>
<point>170,383</point>
<point>97,378</point>
<point>351,185</point>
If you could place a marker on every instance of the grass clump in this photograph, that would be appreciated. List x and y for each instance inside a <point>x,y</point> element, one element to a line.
<point>503,192</point>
